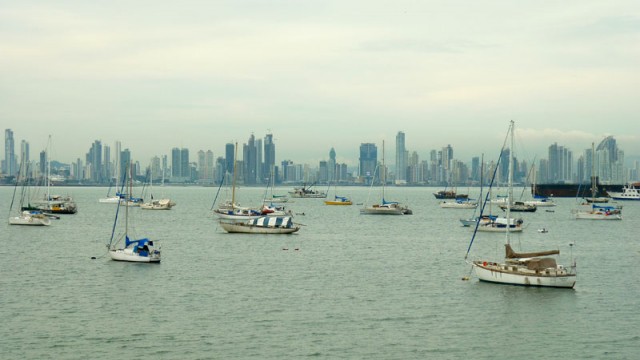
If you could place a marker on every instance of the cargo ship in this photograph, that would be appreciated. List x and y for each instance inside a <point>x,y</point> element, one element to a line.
<point>574,190</point>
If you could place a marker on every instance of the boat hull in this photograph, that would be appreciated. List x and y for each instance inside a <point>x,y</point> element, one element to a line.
<point>30,220</point>
<point>571,190</point>
<point>505,274</point>
<point>241,228</point>
<point>381,211</point>
<point>457,205</point>
<point>129,255</point>
<point>597,216</point>
<point>164,204</point>
<point>338,202</point>
<point>498,229</point>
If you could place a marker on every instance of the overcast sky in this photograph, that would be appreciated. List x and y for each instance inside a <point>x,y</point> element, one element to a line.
<point>320,74</point>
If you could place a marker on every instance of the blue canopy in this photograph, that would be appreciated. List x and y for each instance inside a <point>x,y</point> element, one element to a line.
<point>139,242</point>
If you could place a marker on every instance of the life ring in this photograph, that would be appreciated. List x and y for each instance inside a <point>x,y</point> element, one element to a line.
<point>484,263</point>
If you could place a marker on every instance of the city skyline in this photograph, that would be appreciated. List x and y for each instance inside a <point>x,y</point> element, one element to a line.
<point>320,75</point>
<point>259,162</point>
<point>348,155</point>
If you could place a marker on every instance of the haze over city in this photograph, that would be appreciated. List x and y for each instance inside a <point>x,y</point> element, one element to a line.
<point>319,75</point>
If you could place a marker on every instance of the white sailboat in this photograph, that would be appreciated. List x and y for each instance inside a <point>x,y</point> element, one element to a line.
<point>26,217</point>
<point>459,204</point>
<point>137,250</point>
<point>53,204</point>
<point>385,207</point>
<point>528,269</point>
<point>156,204</point>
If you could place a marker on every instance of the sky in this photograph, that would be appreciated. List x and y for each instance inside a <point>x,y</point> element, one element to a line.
<point>320,74</point>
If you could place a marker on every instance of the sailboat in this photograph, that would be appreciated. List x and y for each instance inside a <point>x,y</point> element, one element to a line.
<point>528,269</point>
<point>231,212</point>
<point>385,207</point>
<point>155,204</point>
<point>594,210</point>
<point>459,204</point>
<point>26,217</point>
<point>136,250</point>
<point>485,219</point>
<point>270,197</point>
<point>53,204</point>
<point>338,200</point>
<point>262,225</point>
<point>111,199</point>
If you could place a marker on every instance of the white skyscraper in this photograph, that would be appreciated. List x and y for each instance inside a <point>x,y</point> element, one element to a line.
<point>401,158</point>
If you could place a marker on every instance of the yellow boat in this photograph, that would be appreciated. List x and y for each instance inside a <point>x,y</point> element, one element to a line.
<point>339,200</point>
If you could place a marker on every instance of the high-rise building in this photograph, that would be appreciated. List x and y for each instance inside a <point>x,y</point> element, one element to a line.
<point>176,167</point>
<point>43,164</point>
<point>250,161</point>
<point>401,158</point>
<point>229,153</point>
<point>323,172</point>
<point>331,165</point>
<point>94,161</point>
<point>260,174</point>
<point>560,164</point>
<point>269,155</point>
<point>610,161</point>
<point>368,161</point>
<point>125,163</point>
<point>10,167</point>
<point>107,172</point>
<point>116,162</point>
<point>205,166</point>
<point>185,169</point>
<point>155,169</point>
<point>475,169</point>
<point>24,159</point>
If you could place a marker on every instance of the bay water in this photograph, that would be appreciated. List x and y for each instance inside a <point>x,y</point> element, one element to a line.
<point>346,286</point>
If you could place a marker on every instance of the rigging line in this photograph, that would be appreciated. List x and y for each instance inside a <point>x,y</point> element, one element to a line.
<point>113,230</point>
<point>219,187</point>
<point>484,203</point>
<point>15,187</point>
<point>528,177</point>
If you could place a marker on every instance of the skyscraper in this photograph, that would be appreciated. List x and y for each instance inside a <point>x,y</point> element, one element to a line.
<point>10,163</point>
<point>24,158</point>
<point>185,170</point>
<point>125,162</point>
<point>94,161</point>
<point>269,155</point>
<point>175,163</point>
<point>107,172</point>
<point>229,153</point>
<point>260,176</point>
<point>250,160</point>
<point>368,161</point>
<point>401,158</point>
<point>331,166</point>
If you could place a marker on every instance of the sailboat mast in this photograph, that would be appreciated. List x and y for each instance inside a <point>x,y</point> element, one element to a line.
<point>126,203</point>
<point>510,183</point>
<point>48,161</point>
<point>383,177</point>
<point>233,188</point>
<point>593,172</point>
